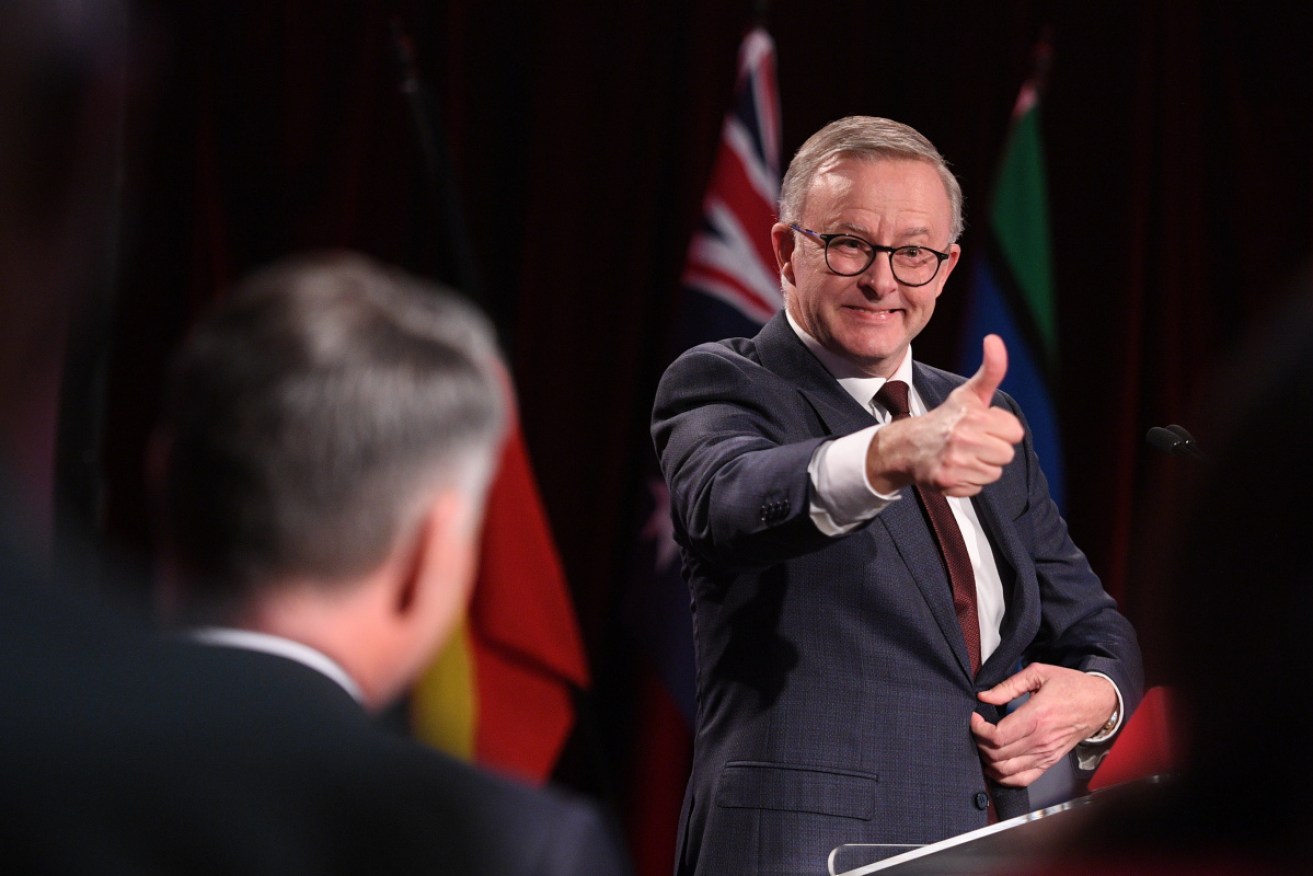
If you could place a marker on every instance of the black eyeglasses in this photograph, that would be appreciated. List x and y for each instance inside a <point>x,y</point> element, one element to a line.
<point>849,256</point>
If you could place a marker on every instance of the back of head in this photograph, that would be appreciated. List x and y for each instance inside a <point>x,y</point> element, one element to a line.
<point>310,415</point>
<point>868,138</point>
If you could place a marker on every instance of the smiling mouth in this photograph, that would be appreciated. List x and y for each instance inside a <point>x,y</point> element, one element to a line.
<point>873,313</point>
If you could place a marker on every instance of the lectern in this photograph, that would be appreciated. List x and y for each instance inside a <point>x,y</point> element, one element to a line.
<point>997,849</point>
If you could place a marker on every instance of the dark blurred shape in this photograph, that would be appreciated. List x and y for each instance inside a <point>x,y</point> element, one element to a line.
<point>1244,597</point>
<point>1233,619</point>
<point>1175,441</point>
<point>62,91</point>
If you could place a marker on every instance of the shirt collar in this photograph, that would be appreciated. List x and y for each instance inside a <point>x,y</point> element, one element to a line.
<point>270,644</point>
<point>856,384</point>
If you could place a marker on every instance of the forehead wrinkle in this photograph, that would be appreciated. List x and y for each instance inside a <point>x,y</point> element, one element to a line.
<point>914,231</point>
<point>863,231</point>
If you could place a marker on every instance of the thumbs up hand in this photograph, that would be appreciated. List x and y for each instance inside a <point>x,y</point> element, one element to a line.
<point>958,447</point>
<point>993,366</point>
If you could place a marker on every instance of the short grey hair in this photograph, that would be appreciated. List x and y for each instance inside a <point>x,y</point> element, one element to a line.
<point>864,137</point>
<point>312,413</point>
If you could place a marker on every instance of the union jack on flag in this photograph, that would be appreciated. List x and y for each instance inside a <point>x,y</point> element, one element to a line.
<point>730,256</point>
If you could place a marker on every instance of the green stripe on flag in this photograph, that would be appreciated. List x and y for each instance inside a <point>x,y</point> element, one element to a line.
<point>1020,217</point>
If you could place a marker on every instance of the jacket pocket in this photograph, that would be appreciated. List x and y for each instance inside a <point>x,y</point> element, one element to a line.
<point>792,788</point>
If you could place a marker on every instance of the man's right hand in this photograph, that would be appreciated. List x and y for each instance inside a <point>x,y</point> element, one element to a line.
<point>958,447</point>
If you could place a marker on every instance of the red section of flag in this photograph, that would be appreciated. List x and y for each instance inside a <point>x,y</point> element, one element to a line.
<point>656,782</point>
<point>528,652</point>
<point>1148,745</point>
<point>732,184</point>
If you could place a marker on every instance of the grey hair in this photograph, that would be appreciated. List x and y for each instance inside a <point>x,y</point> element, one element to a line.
<point>311,415</point>
<point>870,138</point>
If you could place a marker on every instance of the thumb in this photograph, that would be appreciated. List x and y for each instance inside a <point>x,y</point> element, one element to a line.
<point>993,366</point>
<point>1028,680</point>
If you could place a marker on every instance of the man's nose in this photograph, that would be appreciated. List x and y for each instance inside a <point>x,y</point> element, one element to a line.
<point>879,275</point>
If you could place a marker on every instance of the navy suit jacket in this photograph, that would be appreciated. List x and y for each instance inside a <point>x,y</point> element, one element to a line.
<point>123,753</point>
<point>834,689</point>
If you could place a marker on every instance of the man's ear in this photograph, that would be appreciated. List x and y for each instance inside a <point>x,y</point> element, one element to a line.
<point>782,242</point>
<point>434,558</point>
<point>433,581</point>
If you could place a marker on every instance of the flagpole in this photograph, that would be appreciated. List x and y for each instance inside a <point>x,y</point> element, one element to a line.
<point>430,136</point>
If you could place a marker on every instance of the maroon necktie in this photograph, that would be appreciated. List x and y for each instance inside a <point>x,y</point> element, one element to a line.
<point>893,396</point>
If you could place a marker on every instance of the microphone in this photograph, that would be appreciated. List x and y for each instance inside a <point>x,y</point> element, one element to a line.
<point>1176,441</point>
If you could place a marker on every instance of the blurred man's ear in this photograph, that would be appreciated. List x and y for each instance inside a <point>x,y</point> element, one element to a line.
<point>436,575</point>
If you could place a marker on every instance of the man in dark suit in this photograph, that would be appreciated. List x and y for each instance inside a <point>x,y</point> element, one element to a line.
<point>846,693</point>
<point>331,431</point>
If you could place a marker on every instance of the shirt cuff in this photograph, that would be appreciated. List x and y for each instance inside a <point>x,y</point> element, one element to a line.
<point>1107,733</point>
<point>842,498</point>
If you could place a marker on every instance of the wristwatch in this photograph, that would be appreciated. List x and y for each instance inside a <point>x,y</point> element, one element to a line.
<point>1106,730</point>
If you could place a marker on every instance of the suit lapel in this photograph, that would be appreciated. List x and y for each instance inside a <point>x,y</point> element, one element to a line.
<point>784,353</point>
<point>1014,569</point>
<point>931,385</point>
<point>905,523</point>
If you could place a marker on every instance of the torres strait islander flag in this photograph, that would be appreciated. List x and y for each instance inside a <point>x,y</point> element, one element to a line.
<point>729,288</point>
<point>1012,291</point>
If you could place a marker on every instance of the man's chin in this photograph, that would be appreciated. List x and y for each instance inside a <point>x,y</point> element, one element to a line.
<point>879,358</point>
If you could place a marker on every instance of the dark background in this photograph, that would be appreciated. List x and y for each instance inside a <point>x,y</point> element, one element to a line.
<point>1180,163</point>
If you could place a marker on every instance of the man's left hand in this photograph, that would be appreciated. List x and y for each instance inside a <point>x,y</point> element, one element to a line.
<point>1065,707</point>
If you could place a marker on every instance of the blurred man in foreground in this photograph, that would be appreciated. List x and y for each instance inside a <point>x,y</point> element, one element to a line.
<point>331,432</point>
<point>120,751</point>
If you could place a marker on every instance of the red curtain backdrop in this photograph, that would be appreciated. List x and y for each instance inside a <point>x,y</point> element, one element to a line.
<point>582,135</point>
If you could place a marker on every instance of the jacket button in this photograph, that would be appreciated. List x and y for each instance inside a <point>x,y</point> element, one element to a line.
<point>982,800</point>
